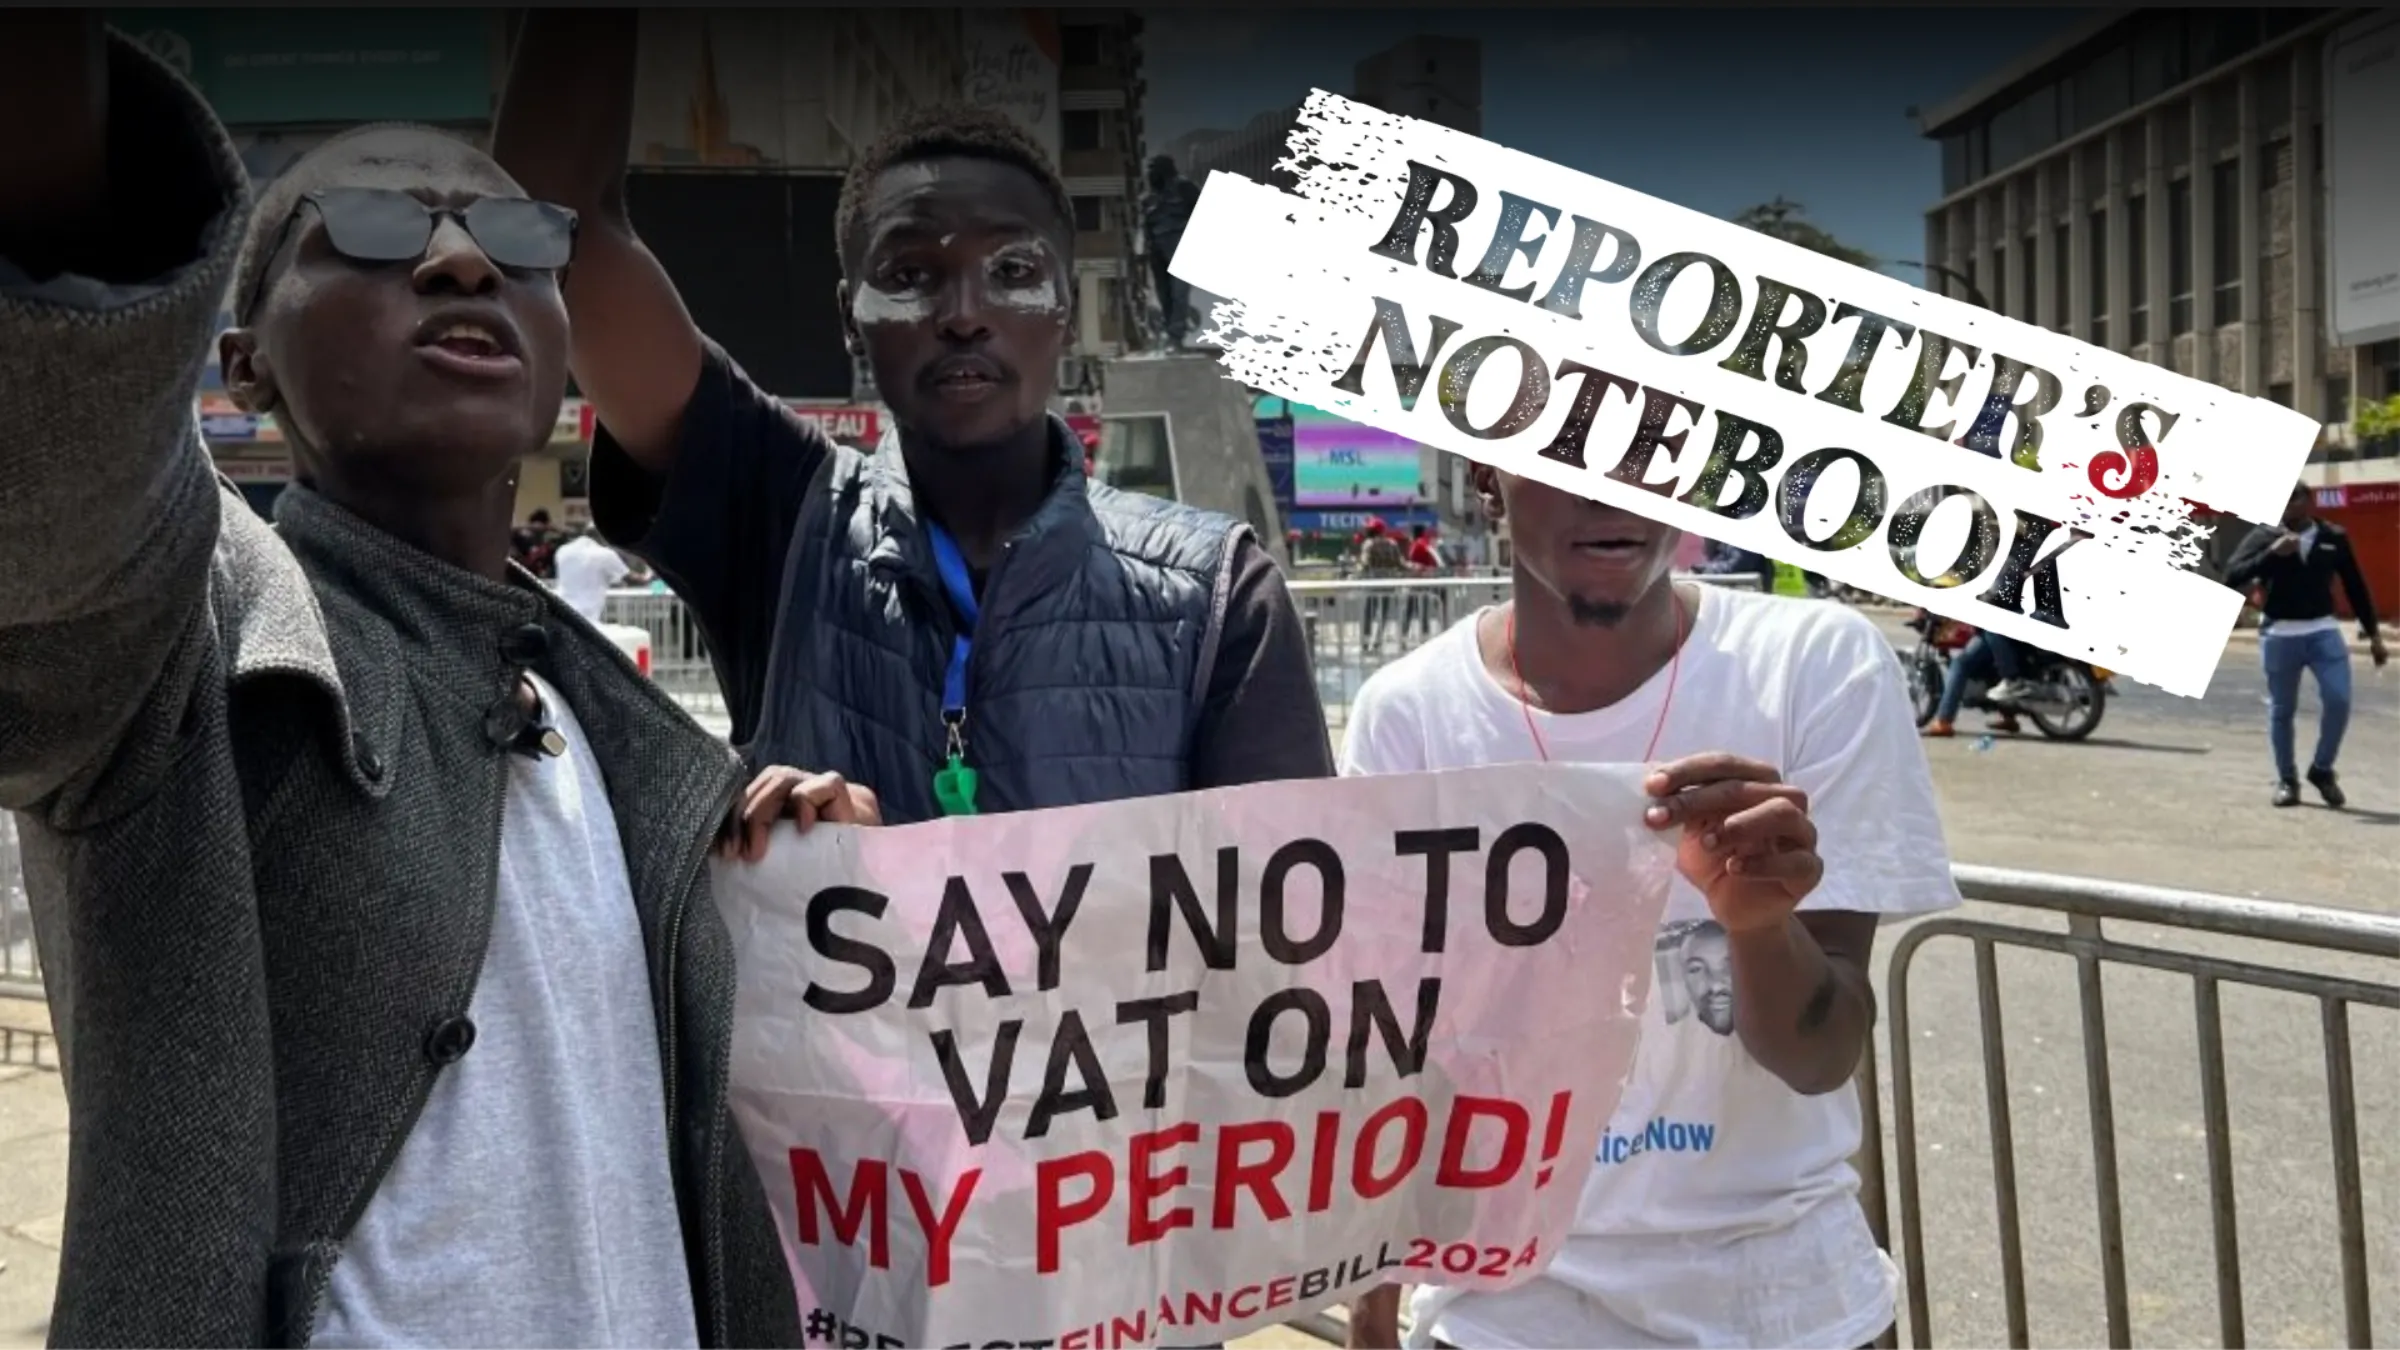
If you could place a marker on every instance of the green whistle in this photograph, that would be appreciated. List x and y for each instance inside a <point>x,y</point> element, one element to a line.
<point>954,788</point>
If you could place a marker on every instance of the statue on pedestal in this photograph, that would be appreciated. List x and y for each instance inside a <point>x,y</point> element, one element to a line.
<point>1166,209</point>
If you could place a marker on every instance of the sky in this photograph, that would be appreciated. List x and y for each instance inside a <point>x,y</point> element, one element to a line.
<point>1711,108</point>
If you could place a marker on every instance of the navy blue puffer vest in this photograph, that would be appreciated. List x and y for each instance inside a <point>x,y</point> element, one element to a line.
<point>1090,665</point>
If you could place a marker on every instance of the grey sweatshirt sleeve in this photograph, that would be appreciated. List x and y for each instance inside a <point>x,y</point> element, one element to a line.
<point>108,502</point>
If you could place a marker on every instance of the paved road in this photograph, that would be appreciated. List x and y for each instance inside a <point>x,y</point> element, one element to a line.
<point>2171,791</point>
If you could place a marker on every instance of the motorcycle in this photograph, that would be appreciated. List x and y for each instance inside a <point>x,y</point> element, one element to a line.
<point>2069,694</point>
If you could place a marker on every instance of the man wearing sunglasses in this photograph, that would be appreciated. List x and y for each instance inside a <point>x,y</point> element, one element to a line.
<point>369,880</point>
<point>958,620</point>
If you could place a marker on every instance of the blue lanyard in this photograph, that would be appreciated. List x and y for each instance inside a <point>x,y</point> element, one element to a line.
<point>954,785</point>
<point>953,565</point>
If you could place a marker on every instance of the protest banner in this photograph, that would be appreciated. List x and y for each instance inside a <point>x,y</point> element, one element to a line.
<point>1740,387</point>
<point>1174,1069</point>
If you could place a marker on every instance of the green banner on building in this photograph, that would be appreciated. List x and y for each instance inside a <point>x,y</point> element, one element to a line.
<point>269,66</point>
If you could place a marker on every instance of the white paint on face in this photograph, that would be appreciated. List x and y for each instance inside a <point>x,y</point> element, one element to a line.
<point>1028,277</point>
<point>872,307</point>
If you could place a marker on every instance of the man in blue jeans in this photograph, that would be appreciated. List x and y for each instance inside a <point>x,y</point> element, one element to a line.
<point>2294,564</point>
<point>1987,655</point>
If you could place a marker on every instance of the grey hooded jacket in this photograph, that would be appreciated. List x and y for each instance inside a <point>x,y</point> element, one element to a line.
<point>260,806</point>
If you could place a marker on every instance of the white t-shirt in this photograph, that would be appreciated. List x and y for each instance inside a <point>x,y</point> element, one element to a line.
<point>1721,1209</point>
<point>533,1204</point>
<point>586,569</point>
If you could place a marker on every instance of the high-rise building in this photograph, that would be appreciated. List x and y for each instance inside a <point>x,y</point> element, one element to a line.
<point>1436,79</point>
<point>2157,182</point>
<point>1100,157</point>
<point>1253,151</point>
<point>743,122</point>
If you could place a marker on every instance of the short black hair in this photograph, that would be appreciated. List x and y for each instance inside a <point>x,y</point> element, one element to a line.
<point>281,198</point>
<point>941,131</point>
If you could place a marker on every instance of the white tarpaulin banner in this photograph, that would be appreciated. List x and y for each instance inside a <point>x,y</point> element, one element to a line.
<point>1721,381</point>
<point>1172,1070</point>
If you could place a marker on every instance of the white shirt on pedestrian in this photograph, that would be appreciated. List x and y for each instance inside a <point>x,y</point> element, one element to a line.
<point>587,569</point>
<point>533,1202</point>
<point>1722,1207</point>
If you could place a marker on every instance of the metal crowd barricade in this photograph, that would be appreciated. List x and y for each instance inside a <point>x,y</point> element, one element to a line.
<point>20,969</point>
<point>24,1021</point>
<point>1355,628</point>
<point>679,662</point>
<point>2087,904</point>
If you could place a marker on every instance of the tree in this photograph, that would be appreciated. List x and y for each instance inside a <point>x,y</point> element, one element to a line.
<point>1786,220</point>
<point>2378,419</point>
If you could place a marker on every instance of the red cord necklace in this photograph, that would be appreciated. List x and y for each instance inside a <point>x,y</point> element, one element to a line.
<point>1674,673</point>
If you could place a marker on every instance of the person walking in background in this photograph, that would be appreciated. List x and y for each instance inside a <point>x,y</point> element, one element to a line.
<point>534,545</point>
<point>2294,565</point>
<point>1424,552</point>
<point>587,570</point>
<point>960,620</point>
<point>1425,562</point>
<point>1380,558</point>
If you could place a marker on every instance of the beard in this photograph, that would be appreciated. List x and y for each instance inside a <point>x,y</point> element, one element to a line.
<point>1589,613</point>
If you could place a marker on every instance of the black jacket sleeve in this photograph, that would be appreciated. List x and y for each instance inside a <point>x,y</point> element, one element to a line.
<point>2354,583</point>
<point>2249,563</point>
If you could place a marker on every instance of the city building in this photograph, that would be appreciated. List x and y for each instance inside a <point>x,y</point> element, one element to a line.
<point>1252,151</point>
<point>1101,134</point>
<point>2161,182</point>
<point>744,121</point>
<point>1434,79</point>
<point>1438,80</point>
<point>1187,149</point>
<point>1344,474</point>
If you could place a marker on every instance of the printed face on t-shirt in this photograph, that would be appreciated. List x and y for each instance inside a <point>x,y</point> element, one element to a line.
<point>1695,973</point>
<point>1708,976</point>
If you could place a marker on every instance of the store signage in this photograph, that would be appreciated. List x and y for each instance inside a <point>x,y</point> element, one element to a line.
<point>256,470</point>
<point>2357,494</point>
<point>848,424</point>
<point>264,66</point>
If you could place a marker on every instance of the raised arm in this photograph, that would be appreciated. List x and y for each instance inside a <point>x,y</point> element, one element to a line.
<point>2251,555</point>
<point>564,126</point>
<point>119,223</point>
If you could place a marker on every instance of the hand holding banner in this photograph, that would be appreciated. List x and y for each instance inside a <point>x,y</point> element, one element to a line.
<point>1175,1069</point>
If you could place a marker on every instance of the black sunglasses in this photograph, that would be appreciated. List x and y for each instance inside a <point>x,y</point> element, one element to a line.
<point>384,225</point>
